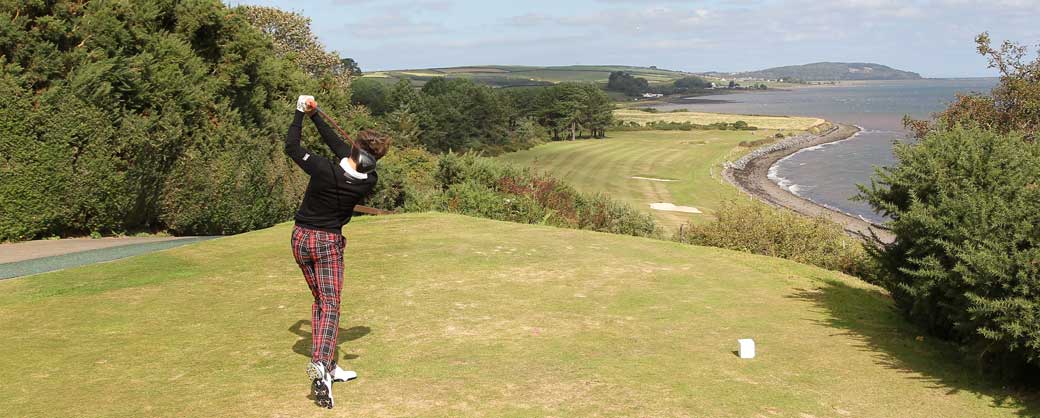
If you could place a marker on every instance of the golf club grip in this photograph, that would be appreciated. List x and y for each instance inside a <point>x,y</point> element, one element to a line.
<point>336,125</point>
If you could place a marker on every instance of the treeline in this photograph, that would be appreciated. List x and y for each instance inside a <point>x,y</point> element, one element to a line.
<point>454,114</point>
<point>624,82</point>
<point>123,116</point>
<point>632,86</point>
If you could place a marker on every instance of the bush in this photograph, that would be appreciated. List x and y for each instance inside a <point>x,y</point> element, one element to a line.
<point>757,228</point>
<point>475,199</point>
<point>756,143</point>
<point>965,208</point>
<point>407,181</point>
<point>477,186</point>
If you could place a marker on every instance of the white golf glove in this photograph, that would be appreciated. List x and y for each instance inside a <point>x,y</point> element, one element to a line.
<point>301,103</point>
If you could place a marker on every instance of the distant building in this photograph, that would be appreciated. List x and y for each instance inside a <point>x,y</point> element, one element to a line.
<point>652,95</point>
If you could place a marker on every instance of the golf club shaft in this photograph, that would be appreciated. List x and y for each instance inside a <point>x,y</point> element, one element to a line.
<point>336,125</point>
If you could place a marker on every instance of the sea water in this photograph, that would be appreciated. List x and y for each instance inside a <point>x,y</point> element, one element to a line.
<point>828,174</point>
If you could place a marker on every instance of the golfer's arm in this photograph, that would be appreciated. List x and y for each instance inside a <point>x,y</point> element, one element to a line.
<point>335,143</point>
<point>307,160</point>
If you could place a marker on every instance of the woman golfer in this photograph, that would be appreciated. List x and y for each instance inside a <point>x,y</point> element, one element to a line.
<point>317,240</point>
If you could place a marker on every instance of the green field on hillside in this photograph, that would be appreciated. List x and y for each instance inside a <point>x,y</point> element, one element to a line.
<point>702,118</point>
<point>691,160</point>
<point>521,75</point>
<point>453,316</point>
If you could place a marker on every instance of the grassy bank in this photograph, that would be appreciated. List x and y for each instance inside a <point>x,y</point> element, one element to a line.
<point>500,320</point>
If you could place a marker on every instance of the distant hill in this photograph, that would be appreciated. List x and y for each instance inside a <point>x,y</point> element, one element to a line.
<point>513,76</point>
<point>829,71</point>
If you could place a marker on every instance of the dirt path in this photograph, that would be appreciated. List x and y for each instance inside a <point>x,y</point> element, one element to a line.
<point>10,253</point>
<point>34,257</point>
<point>754,180</point>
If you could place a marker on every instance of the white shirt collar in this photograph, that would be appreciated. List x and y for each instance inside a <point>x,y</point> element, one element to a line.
<point>351,171</point>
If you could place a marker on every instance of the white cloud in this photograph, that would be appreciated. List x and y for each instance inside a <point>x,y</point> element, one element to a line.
<point>930,36</point>
<point>392,24</point>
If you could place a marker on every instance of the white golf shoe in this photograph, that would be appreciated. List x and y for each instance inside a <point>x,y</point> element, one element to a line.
<point>340,375</point>
<point>321,384</point>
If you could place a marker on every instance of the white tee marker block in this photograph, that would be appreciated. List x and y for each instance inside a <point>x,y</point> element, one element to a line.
<point>747,348</point>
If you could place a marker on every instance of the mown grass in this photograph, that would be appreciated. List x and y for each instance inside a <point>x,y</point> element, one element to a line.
<point>454,316</point>
<point>693,158</point>
<point>761,122</point>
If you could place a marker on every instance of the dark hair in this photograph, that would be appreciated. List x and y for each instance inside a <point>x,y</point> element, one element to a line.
<point>375,143</point>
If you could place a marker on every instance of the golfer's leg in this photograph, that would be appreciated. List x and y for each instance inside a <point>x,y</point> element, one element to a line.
<point>303,244</point>
<point>329,269</point>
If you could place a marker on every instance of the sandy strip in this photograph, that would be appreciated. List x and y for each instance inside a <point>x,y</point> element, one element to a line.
<point>670,207</point>
<point>754,180</point>
<point>652,179</point>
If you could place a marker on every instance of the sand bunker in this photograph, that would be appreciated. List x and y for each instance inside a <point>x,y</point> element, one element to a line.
<point>672,208</point>
<point>652,179</point>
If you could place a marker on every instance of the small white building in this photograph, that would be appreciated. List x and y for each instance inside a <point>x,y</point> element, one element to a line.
<point>652,95</point>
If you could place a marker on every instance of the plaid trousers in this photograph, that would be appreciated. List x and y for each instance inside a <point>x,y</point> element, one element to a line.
<point>320,256</point>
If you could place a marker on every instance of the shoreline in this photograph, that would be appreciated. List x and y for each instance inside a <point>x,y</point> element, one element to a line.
<point>753,179</point>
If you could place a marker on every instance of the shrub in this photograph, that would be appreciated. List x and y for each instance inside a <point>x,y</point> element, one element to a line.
<point>475,199</point>
<point>756,143</point>
<point>407,181</point>
<point>965,208</point>
<point>599,212</point>
<point>472,185</point>
<point>757,228</point>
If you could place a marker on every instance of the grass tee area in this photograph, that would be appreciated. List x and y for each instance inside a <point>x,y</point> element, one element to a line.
<point>449,315</point>
<point>691,160</point>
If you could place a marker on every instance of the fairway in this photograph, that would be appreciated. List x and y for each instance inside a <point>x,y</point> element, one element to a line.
<point>691,158</point>
<point>500,320</point>
<point>701,118</point>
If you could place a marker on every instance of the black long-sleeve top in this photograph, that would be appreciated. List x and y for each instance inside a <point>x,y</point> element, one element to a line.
<point>331,195</point>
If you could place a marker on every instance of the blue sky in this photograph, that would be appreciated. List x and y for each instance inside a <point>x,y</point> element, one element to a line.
<point>934,38</point>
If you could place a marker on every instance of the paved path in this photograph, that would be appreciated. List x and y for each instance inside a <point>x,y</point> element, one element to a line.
<point>754,180</point>
<point>34,257</point>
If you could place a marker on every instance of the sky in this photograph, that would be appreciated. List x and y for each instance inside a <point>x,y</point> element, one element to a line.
<point>934,38</point>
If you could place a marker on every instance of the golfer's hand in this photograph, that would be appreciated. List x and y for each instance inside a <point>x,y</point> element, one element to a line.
<point>312,106</point>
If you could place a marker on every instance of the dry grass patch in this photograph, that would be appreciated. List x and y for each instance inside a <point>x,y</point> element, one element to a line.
<point>700,118</point>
